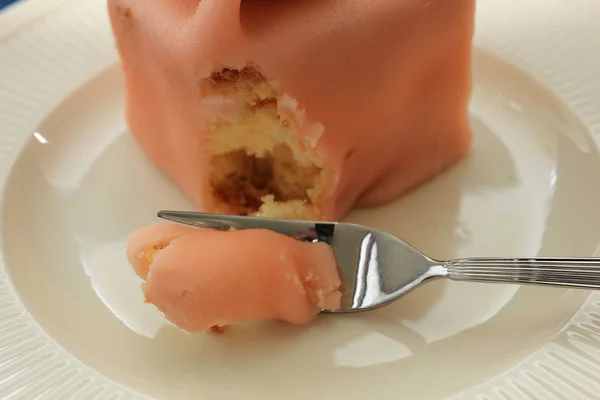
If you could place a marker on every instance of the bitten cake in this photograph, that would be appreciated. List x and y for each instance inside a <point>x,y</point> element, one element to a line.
<point>297,109</point>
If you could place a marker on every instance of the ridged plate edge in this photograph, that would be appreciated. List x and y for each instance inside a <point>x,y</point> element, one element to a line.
<point>74,44</point>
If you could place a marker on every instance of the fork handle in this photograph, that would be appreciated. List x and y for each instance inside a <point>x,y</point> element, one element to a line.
<point>581,273</point>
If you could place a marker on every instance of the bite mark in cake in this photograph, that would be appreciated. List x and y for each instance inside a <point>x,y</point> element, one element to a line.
<point>262,162</point>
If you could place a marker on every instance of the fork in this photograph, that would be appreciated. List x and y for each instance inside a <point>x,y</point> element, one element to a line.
<point>377,268</point>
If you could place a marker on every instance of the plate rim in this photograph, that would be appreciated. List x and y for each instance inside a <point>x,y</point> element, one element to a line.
<point>550,72</point>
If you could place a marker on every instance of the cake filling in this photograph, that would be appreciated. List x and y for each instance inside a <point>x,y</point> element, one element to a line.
<point>260,165</point>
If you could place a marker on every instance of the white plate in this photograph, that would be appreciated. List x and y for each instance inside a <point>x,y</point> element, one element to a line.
<point>72,321</point>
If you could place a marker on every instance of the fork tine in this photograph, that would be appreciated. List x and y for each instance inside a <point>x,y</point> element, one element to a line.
<point>303,230</point>
<point>196,219</point>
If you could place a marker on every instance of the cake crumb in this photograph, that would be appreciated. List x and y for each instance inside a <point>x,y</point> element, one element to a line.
<point>125,12</point>
<point>217,329</point>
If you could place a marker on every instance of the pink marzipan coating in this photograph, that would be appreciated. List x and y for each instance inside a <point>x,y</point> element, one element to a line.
<point>204,277</point>
<point>389,80</point>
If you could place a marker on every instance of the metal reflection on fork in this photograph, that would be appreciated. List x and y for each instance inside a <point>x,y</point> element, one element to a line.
<point>377,268</point>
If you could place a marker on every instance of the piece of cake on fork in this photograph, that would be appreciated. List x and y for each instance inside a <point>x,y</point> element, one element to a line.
<point>201,278</point>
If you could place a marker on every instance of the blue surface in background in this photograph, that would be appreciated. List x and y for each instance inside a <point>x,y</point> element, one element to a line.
<point>4,3</point>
